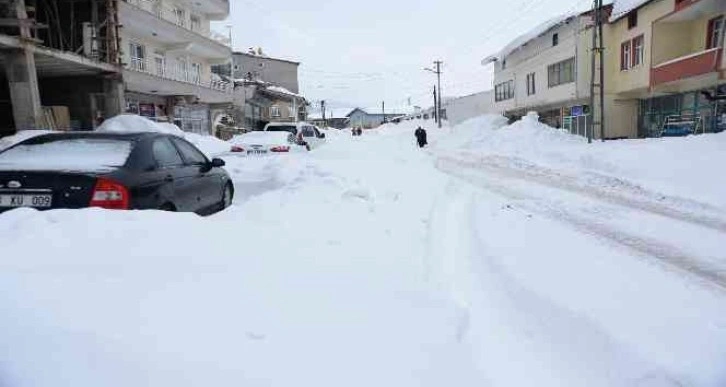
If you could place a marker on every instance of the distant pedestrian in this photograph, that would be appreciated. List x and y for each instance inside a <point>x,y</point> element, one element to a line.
<point>420,134</point>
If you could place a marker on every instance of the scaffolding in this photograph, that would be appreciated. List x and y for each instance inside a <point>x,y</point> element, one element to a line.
<point>85,27</point>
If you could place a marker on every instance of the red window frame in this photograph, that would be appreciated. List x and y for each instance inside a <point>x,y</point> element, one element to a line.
<point>711,27</point>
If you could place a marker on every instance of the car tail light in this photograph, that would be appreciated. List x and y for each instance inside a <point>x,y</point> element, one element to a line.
<point>110,194</point>
<point>237,149</point>
<point>280,149</point>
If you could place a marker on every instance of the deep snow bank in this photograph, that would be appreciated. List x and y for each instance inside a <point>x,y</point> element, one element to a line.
<point>131,123</point>
<point>682,166</point>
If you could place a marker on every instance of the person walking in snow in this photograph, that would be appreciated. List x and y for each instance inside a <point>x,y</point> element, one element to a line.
<point>420,134</point>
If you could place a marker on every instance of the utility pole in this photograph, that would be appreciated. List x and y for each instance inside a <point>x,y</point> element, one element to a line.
<point>436,104</point>
<point>441,95</point>
<point>597,80</point>
<point>322,108</point>
<point>383,106</point>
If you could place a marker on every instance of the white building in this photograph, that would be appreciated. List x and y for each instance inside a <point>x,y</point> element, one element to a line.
<point>463,108</point>
<point>168,50</point>
<point>546,70</point>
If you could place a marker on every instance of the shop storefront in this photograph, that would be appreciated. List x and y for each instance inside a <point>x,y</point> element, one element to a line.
<point>702,111</point>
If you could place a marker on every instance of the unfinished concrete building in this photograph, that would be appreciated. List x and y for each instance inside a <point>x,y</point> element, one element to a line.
<point>62,64</point>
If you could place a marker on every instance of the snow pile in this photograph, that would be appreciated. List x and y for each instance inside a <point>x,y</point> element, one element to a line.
<point>131,123</point>
<point>209,145</point>
<point>674,166</point>
<point>7,142</point>
<point>88,155</point>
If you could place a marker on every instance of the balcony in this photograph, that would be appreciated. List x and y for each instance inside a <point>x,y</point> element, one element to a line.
<point>689,66</point>
<point>144,19</point>
<point>143,77</point>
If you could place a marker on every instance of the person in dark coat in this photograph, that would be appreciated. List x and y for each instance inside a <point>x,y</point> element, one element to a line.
<point>420,134</point>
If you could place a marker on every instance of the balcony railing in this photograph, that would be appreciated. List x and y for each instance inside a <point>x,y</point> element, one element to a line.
<point>179,75</point>
<point>180,17</point>
<point>699,63</point>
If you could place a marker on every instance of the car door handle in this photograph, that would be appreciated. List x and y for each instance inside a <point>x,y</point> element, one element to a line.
<point>169,178</point>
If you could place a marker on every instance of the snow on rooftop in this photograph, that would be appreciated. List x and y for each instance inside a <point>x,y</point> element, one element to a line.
<point>623,7</point>
<point>282,90</point>
<point>529,36</point>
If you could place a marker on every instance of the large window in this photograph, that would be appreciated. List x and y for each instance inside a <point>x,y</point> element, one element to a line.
<point>138,56</point>
<point>561,73</point>
<point>196,74</point>
<point>160,65</point>
<point>504,91</point>
<point>182,69</point>
<point>555,39</point>
<point>180,17</point>
<point>625,55</point>
<point>632,53</point>
<point>715,32</point>
<point>195,23</point>
<point>531,89</point>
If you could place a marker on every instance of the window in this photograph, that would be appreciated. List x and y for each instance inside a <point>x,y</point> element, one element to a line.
<point>160,65</point>
<point>282,128</point>
<point>195,23</point>
<point>191,154</point>
<point>638,51</point>
<point>504,64</point>
<point>531,89</point>
<point>180,17</point>
<point>633,19</point>
<point>138,56</point>
<point>504,91</point>
<point>275,111</point>
<point>308,131</point>
<point>625,57</point>
<point>561,73</point>
<point>182,69</point>
<point>555,39</point>
<point>165,154</point>
<point>715,32</point>
<point>290,111</point>
<point>196,74</point>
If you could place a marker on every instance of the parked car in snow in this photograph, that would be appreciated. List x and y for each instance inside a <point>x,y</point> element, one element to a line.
<point>305,134</point>
<point>113,171</point>
<point>265,143</point>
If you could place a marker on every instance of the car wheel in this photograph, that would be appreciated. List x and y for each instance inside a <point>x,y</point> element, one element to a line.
<point>227,196</point>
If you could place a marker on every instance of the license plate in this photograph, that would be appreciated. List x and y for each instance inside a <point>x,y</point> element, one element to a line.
<point>256,152</point>
<point>20,200</point>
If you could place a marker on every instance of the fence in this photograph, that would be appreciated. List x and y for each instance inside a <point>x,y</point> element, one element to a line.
<point>578,125</point>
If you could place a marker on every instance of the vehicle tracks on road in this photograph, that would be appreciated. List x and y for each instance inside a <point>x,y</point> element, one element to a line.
<point>480,173</point>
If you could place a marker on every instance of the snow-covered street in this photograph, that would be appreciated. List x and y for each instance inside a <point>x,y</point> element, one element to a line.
<point>370,262</point>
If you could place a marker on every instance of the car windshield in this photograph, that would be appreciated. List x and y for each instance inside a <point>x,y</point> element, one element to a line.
<point>282,128</point>
<point>78,154</point>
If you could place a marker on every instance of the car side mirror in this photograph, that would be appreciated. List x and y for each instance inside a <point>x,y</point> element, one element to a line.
<point>218,163</point>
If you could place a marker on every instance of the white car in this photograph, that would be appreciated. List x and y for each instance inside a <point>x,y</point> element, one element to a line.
<point>306,134</point>
<point>265,143</point>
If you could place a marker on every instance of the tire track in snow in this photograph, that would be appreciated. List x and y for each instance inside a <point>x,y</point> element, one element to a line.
<point>627,194</point>
<point>665,254</point>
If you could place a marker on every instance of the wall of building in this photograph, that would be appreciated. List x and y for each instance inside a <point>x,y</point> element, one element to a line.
<point>536,57</point>
<point>470,106</point>
<point>278,72</point>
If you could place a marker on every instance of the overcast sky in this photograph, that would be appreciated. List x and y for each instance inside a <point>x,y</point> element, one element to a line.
<point>359,53</point>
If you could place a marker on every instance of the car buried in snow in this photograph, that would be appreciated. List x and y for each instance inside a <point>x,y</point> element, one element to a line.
<point>114,171</point>
<point>306,135</point>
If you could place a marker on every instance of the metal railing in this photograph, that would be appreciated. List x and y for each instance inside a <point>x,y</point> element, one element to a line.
<point>180,17</point>
<point>141,65</point>
<point>576,124</point>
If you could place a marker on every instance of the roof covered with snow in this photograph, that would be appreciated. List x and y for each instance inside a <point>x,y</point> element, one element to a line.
<point>529,36</point>
<point>623,7</point>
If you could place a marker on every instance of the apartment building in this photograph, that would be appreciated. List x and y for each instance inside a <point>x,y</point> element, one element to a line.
<point>168,54</point>
<point>547,71</point>
<point>666,73</point>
